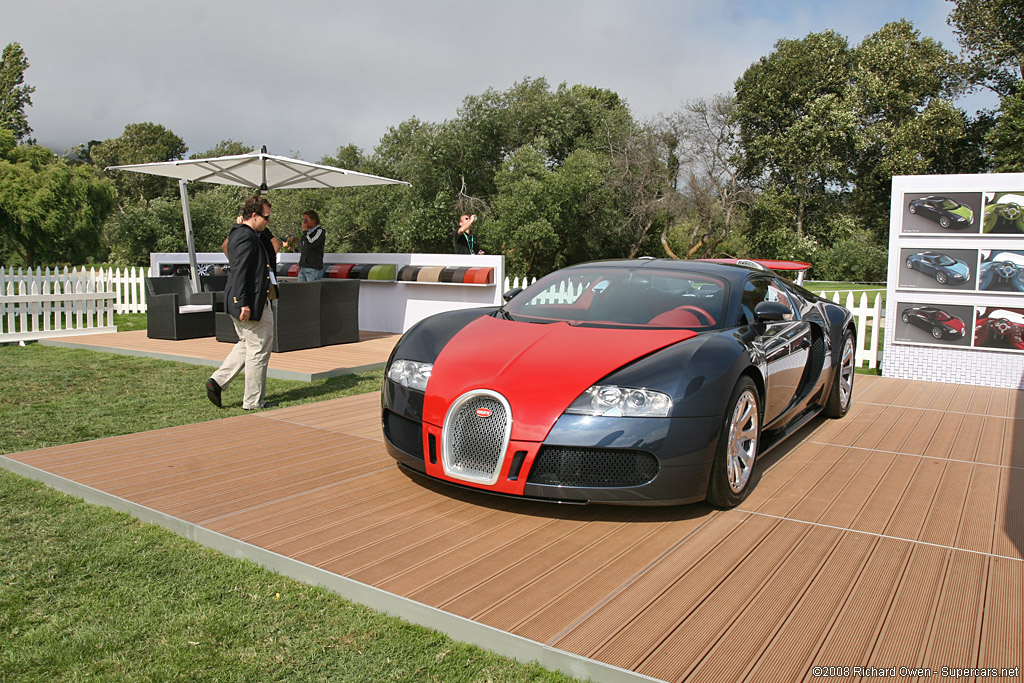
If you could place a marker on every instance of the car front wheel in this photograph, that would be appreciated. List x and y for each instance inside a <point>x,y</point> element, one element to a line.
<point>944,222</point>
<point>937,332</point>
<point>842,386</point>
<point>940,277</point>
<point>737,448</point>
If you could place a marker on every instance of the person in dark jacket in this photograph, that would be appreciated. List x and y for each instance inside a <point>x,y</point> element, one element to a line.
<point>250,287</point>
<point>311,260</point>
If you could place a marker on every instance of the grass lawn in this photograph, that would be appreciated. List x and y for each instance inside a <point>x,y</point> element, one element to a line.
<point>87,593</point>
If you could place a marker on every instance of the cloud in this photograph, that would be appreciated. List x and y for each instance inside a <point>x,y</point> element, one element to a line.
<point>312,75</point>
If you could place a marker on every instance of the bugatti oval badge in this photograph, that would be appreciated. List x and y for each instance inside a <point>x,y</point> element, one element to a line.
<point>483,412</point>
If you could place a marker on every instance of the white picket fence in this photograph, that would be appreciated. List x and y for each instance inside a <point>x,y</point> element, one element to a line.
<point>59,303</point>
<point>44,303</point>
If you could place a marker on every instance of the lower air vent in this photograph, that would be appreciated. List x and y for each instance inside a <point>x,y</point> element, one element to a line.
<point>592,467</point>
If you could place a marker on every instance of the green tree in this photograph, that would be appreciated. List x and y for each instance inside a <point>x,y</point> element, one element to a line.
<point>50,212</point>
<point>14,94</point>
<point>224,148</point>
<point>796,126</point>
<point>991,33</point>
<point>140,143</point>
<point>1006,139</point>
<point>901,92</point>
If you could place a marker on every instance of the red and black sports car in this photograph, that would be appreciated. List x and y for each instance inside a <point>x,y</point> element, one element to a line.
<point>939,323</point>
<point>642,382</point>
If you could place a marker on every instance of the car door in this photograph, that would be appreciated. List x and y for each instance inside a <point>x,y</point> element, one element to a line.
<point>785,343</point>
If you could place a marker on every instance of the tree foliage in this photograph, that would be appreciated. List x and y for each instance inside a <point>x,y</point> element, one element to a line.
<point>140,143</point>
<point>14,94</point>
<point>991,33</point>
<point>50,212</point>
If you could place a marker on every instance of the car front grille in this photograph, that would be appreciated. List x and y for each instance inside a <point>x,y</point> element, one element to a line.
<point>404,434</point>
<point>476,436</point>
<point>592,467</point>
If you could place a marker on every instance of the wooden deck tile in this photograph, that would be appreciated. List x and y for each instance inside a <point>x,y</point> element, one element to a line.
<point>892,537</point>
<point>372,350</point>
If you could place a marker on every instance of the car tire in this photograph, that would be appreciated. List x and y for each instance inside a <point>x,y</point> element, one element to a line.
<point>906,318</point>
<point>937,332</point>
<point>910,264</point>
<point>732,470</point>
<point>912,209</point>
<point>944,222</point>
<point>941,278</point>
<point>841,396</point>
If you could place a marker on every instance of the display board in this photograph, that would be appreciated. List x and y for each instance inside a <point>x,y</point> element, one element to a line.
<point>955,300</point>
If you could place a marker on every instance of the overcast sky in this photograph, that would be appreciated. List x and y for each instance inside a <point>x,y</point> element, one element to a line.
<point>307,76</point>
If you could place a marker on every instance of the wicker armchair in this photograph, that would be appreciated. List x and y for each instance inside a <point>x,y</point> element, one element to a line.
<point>175,312</point>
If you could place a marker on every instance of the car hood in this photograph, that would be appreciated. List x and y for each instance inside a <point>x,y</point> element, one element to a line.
<point>954,323</point>
<point>540,369</point>
<point>964,212</point>
<point>960,268</point>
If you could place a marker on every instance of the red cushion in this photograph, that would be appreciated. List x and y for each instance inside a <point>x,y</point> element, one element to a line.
<point>293,270</point>
<point>479,276</point>
<point>339,270</point>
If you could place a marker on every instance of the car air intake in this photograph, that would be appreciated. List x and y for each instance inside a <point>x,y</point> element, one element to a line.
<point>592,467</point>
<point>404,434</point>
<point>475,438</point>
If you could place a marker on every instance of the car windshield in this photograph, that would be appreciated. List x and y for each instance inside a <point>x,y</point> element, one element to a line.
<point>945,261</point>
<point>949,205</point>
<point>634,297</point>
<point>941,315</point>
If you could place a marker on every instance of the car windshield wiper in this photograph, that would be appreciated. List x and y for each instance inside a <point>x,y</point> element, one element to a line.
<point>502,313</point>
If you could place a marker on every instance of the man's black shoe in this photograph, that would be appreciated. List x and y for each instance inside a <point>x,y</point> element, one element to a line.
<point>213,391</point>
<point>265,404</point>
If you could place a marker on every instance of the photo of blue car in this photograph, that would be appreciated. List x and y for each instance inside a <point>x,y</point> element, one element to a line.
<point>945,269</point>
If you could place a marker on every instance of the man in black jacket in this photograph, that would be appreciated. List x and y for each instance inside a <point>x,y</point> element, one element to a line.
<point>250,286</point>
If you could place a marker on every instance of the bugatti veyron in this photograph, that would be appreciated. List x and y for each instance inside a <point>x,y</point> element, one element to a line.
<point>636,382</point>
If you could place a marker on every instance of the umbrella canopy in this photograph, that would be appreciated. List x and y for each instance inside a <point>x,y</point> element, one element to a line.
<point>258,170</point>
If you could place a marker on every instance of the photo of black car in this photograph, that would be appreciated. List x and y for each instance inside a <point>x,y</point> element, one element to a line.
<point>945,269</point>
<point>947,212</point>
<point>937,322</point>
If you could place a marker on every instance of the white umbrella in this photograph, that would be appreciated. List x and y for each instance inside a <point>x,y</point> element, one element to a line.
<point>258,170</point>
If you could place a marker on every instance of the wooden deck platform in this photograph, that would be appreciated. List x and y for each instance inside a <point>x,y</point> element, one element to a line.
<point>891,538</point>
<point>371,351</point>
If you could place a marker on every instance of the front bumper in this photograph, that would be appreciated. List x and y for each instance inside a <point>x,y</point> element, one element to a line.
<point>675,453</point>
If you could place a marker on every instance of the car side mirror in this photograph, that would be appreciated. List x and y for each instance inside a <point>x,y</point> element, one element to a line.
<point>507,296</point>
<point>772,311</point>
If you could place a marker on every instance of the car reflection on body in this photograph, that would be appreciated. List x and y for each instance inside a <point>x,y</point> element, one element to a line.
<point>640,382</point>
<point>945,269</point>
<point>1002,271</point>
<point>944,211</point>
<point>1000,328</point>
<point>937,322</point>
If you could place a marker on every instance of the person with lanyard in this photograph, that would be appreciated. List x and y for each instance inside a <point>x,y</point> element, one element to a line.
<point>311,260</point>
<point>464,239</point>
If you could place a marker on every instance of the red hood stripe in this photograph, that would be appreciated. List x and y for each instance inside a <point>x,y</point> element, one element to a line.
<point>540,369</point>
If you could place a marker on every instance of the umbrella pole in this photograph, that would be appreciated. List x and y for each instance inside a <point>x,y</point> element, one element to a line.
<point>186,212</point>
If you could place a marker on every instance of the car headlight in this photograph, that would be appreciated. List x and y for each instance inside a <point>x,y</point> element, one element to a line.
<point>410,373</point>
<point>611,401</point>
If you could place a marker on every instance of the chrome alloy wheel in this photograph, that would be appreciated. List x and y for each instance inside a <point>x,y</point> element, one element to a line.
<point>743,433</point>
<point>846,369</point>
